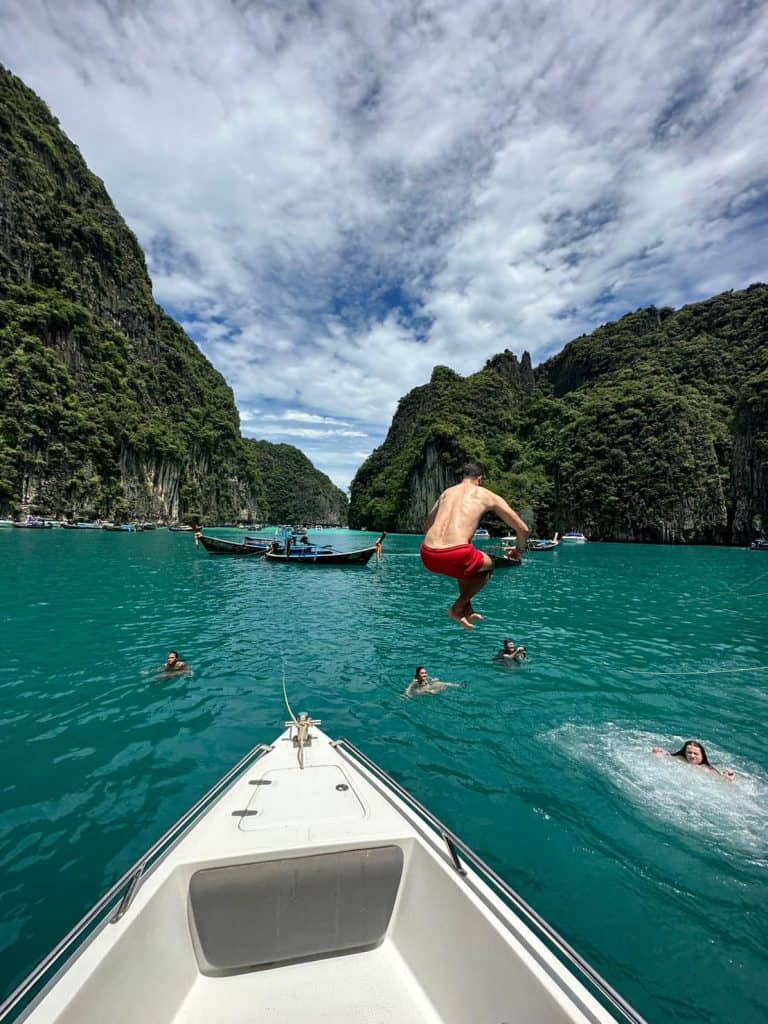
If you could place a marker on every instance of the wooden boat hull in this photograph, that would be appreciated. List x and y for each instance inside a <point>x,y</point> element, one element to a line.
<point>502,562</point>
<point>361,557</point>
<point>217,546</point>
<point>318,557</point>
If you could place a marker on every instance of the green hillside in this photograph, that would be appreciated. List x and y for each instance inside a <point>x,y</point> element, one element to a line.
<point>296,491</point>
<point>106,406</point>
<point>652,428</point>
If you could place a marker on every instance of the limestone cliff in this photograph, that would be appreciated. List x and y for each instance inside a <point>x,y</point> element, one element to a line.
<point>749,480</point>
<point>653,428</point>
<point>296,491</point>
<point>435,428</point>
<point>106,406</point>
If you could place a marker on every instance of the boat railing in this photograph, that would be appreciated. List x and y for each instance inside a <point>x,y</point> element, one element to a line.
<point>127,885</point>
<point>455,846</point>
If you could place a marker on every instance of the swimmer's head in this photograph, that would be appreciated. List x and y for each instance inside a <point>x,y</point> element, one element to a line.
<point>420,674</point>
<point>693,752</point>
<point>173,657</point>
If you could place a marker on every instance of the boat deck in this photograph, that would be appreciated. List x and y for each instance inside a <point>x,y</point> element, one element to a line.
<point>368,988</point>
<point>305,896</point>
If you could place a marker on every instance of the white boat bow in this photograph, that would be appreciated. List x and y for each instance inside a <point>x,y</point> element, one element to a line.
<point>312,894</point>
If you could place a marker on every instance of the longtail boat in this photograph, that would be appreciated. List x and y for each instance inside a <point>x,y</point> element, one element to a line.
<point>298,553</point>
<point>543,545</point>
<point>250,546</point>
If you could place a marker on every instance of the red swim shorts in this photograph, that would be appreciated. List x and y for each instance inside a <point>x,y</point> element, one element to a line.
<point>461,561</point>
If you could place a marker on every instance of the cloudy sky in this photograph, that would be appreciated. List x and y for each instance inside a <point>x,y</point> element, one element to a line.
<point>335,197</point>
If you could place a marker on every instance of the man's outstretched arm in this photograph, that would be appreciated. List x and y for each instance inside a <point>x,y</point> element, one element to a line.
<point>511,518</point>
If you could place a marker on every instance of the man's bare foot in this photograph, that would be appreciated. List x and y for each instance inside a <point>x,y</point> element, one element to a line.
<point>461,619</point>
<point>472,615</point>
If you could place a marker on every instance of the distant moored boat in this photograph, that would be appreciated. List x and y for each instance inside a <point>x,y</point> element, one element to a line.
<point>302,552</point>
<point>543,545</point>
<point>251,546</point>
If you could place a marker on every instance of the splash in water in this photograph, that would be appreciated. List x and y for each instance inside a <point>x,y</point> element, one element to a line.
<point>734,816</point>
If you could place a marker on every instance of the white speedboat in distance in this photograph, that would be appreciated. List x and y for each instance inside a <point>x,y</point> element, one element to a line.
<point>481,533</point>
<point>308,887</point>
<point>573,537</point>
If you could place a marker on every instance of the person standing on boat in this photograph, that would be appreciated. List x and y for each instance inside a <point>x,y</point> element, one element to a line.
<point>449,528</point>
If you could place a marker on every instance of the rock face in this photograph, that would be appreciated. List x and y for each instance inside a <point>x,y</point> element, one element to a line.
<point>749,477</point>
<point>296,491</point>
<point>106,406</point>
<point>653,428</point>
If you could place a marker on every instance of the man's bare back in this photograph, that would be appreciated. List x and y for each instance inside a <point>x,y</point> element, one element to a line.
<point>458,511</point>
<point>450,527</point>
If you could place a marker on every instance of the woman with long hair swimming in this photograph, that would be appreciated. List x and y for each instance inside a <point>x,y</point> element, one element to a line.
<point>694,753</point>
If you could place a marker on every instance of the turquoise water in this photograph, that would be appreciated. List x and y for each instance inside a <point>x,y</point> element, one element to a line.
<point>655,871</point>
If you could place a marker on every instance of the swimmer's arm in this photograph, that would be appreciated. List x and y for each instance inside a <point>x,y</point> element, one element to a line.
<point>660,752</point>
<point>409,691</point>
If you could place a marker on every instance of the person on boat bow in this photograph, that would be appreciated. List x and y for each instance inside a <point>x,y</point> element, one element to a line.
<point>449,528</point>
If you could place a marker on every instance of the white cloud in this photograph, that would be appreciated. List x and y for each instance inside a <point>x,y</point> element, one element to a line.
<point>296,416</point>
<point>313,432</point>
<point>335,199</point>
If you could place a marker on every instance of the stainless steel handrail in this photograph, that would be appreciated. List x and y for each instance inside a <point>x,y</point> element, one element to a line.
<point>453,843</point>
<point>133,878</point>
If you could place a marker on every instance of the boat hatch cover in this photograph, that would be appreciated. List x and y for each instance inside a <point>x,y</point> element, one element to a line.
<point>290,796</point>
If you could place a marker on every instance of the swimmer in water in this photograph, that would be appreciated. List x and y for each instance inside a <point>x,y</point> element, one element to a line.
<point>174,665</point>
<point>694,753</point>
<point>424,683</point>
<point>511,652</point>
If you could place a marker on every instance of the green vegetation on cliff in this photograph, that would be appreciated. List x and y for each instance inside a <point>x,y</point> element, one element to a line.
<point>651,428</point>
<point>106,406</point>
<point>296,491</point>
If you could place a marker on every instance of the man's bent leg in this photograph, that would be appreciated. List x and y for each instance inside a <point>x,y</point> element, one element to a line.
<point>461,611</point>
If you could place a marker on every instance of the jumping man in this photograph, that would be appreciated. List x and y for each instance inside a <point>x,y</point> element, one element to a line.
<point>449,528</point>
